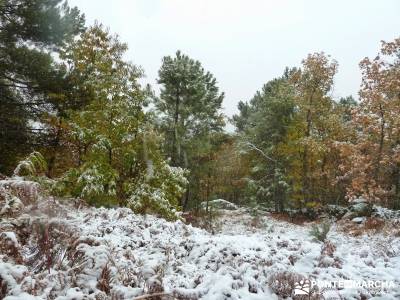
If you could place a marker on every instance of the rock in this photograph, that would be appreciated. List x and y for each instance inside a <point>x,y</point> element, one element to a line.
<point>359,200</point>
<point>359,220</point>
<point>311,213</point>
<point>336,211</point>
<point>359,208</point>
<point>385,213</point>
<point>219,204</point>
<point>362,209</point>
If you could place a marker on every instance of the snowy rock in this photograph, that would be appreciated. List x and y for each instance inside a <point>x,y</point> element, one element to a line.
<point>359,208</point>
<point>359,220</point>
<point>362,209</point>
<point>219,204</point>
<point>385,213</point>
<point>336,211</point>
<point>359,200</point>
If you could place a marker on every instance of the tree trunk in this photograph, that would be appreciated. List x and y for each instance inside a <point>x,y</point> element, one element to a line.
<point>306,167</point>
<point>381,143</point>
<point>186,198</point>
<point>55,145</point>
<point>174,157</point>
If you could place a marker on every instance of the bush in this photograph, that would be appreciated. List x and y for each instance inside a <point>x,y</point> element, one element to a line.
<point>374,224</point>
<point>320,233</point>
<point>160,193</point>
<point>95,183</point>
<point>283,283</point>
<point>33,165</point>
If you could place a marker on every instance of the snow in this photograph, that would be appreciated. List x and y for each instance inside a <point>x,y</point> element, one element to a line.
<point>10,236</point>
<point>144,253</point>
<point>359,220</point>
<point>27,191</point>
<point>219,204</point>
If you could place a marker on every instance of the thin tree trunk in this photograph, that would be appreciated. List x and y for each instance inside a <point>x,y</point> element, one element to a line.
<point>55,146</point>
<point>306,168</point>
<point>381,143</point>
<point>175,136</point>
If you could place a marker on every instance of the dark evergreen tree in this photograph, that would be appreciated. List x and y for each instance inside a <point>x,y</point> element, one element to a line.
<point>31,82</point>
<point>190,104</point>
<point>263,127</point>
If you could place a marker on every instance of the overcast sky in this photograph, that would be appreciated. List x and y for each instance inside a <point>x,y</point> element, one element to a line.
<point>245,43</point>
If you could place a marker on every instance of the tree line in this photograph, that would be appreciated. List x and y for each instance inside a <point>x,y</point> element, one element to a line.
<point>68,94</point>
<point>306,149</point>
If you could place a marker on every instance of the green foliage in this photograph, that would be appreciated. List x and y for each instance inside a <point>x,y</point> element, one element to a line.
<point>262,126</point>
<point>320,233</point>
<point>30,79</point>
<point>32,165</point>
<point>159,192</point>
<point>95,183</point>
<point>189,108</point>
<point>115,147</point>
<point>291,131</point>
<point>347,105</point>
<point>67,91</point>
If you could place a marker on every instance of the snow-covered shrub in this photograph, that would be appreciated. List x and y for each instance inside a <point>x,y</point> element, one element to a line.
<point>28,178</point>
<point>283,283</point>
<point>97,179</point>
<point>67,184</point>
<point>327,257</point>
<point>50,245</point>
<point>10,205</point>
<point>96,183</point>
<point>33,165</point>
<point>104,282</point>
<point>26,191</point>
<point>320,233</point>
<point>160,192</point>
<point>10,247</point>
<point>328,248</point>
<point>3,288</point>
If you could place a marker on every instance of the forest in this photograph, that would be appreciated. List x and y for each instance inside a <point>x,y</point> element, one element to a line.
<point>76,119</point>
<point>69,97</point>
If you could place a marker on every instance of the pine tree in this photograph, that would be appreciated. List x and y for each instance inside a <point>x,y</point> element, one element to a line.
<point>189,104</point>
<point>263,127</point>
<point>30,80</point>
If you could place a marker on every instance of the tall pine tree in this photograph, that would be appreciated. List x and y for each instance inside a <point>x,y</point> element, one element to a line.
<point>30,80</point>
<point>189,104</point>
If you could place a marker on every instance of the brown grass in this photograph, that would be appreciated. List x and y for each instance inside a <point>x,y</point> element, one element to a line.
<point>104,282</point>
<point>3,288</point>
<point>283,283</point>
<point>298,219</point>
<point>370,226</point>
<point>374,224</point>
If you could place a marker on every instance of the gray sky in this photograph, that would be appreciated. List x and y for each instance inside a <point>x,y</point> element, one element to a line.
<point>245,43</point>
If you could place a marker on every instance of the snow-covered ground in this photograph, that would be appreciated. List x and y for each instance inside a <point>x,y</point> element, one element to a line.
<point>115,254</point>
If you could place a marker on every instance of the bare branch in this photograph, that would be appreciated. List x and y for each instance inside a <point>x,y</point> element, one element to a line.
<point>254,147</point>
